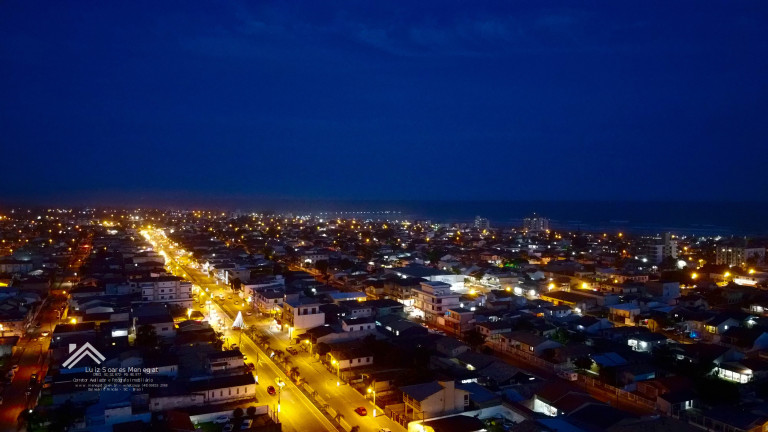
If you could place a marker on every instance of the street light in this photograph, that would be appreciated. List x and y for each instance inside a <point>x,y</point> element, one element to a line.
<point>370,390</point>
<point>338,371</point>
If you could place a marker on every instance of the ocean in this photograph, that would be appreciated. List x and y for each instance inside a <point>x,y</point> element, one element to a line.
<point>683,218</point>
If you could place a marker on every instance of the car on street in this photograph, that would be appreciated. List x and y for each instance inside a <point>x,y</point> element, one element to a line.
<point>271,390</point>
<point>221,419</point>
<point>292,350</point>
<point>229,427</point>
<point>361,411</point>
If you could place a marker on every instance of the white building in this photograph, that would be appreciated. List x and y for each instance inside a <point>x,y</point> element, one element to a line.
<point>536,224</point>
<point>165,289</point>
<point>211,390</point>
<point>303,314</point>
<point>432,299</point>
<point>311,257</point>
<point>482,223</point>
<point>666,247</point>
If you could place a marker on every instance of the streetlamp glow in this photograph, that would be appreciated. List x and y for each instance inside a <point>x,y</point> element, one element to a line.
<point>370,390</point>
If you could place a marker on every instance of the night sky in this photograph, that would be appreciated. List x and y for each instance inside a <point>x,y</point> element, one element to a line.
<point>128,101</point>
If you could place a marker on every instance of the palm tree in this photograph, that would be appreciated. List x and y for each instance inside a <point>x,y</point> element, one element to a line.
<point>263,340</point>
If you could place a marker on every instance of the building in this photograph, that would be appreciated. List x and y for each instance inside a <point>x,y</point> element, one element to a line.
<point>311,257</point>
<point>661,248</point>
<point>481,223</point>
<point>210,390</point>
<point>536,224</point>
<point>740,256</point>
<point>13,266</point>
<point>166,289</point>
<point>457,320</point>
<point>268,301</point>
<point>224,360</point>
<point>432,299</point>
<point>527,342</point>
<point>163,325</point>
<point>348,358</point>
<point>664,289</point>
<point>302,314</point>
<point>433,399</point>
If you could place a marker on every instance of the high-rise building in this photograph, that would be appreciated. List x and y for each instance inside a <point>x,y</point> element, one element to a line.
<point>739,255</point>
<point>661,248</point>
<point>481,223</point>
<point>536,224</point>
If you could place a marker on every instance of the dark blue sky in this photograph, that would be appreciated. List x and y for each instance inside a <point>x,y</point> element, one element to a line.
<point>383,100</point>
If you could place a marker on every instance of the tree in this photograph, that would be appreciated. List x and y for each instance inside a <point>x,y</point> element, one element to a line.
<point>286,362</point>
<point>146,337</point>
<point>715,391</point>
<point>494,425</point>
<point>238,415</point>
<point>561,335</point>
<point>583,362</point>
<point>268,252</point>
<point>435,254</point>
<point>251,411</point>
<point>263,340</point>
<point>753,260</point>
<point>474,339</point>
<point>322,266</point>
<point>236,284</point>
<point>322,349</point>
<point>295,373</point>
<point>668,263</point>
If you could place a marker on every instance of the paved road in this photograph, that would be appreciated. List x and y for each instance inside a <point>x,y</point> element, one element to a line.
<point>342,398</point>
<point>297,413</point>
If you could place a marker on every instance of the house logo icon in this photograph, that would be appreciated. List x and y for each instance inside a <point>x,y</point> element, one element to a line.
<point>78,354</point>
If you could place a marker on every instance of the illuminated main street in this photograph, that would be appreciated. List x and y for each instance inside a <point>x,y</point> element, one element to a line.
<point>297,412</point>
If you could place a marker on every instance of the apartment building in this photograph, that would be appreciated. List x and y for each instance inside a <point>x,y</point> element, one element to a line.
<point>432,299</point>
